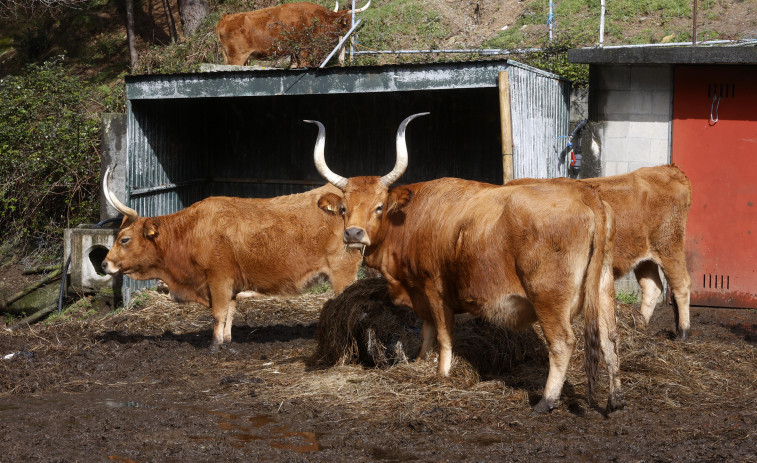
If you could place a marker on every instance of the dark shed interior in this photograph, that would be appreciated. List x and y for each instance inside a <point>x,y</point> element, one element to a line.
<point>260,146</point>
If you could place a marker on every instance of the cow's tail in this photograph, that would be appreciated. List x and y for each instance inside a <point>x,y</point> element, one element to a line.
<point>599,271</point>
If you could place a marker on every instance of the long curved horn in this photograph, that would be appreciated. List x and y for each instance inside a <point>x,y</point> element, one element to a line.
<point>320,159</point>
<point>360,10</point>
<point>114,202</point>
<point>401,164</point>
<point>336,7</point>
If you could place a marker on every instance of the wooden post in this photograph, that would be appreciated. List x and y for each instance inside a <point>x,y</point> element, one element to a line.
<point>506,123</point>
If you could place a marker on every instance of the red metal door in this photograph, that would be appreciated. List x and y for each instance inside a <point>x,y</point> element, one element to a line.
<point>715,143</point>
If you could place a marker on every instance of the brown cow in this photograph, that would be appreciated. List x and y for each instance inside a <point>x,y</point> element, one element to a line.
<point>220,246</point>
<point>651,205</point>
<point>510,254</point>
<point>257,33</point>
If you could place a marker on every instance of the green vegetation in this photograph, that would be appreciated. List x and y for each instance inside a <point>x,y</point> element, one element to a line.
<point>391,25</point>
<point>139,300</point>
<point>627,297</point>
<point>49,116</point>
<point>49,157</point>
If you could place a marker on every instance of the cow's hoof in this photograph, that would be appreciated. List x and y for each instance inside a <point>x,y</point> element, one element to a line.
<point>615,402</point>
<point>682,335</point>
<point>544,406</point>
<point>215,348</point>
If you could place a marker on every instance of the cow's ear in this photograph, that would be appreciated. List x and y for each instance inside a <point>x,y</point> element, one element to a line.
<point>150,229</point>
<point>330,203</point>
<point>398,198</point>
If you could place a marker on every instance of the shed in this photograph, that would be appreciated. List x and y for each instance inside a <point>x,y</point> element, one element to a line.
<point>693,106</point>
<point>241,133</point>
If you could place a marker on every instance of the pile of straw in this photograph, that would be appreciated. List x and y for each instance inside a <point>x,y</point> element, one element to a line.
<point>362,326</point>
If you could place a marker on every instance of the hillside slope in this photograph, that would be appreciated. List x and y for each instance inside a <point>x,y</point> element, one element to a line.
<point>94,38</point>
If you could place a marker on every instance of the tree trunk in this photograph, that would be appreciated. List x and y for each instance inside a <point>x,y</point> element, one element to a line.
<point>170,21</point>
<point>191,13</point>
<point>130,34</point>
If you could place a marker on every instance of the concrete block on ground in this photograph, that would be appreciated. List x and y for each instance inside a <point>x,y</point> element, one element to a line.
<point>87,246</point>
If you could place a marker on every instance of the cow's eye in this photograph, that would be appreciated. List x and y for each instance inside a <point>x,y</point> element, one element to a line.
<point>125,240</point>
<point>342,210</point>
<point>379,209</point>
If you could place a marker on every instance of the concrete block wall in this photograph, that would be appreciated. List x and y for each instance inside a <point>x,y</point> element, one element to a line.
<point>633,105</point>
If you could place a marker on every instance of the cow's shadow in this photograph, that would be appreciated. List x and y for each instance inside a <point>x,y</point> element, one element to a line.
<point>201,339</point>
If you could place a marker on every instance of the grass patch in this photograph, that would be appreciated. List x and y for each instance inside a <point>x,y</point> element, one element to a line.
<point>627,297</point>
<point>399,21</point>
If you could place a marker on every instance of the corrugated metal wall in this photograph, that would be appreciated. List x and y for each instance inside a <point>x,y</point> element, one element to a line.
<point>183,149</point>
<point>540,107</point>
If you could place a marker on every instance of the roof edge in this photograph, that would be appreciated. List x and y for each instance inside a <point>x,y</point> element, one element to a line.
<point>665,55</point>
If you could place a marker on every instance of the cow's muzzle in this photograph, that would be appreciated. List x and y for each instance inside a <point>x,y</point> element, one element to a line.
<point>109,268</point>
<point>355,237</point>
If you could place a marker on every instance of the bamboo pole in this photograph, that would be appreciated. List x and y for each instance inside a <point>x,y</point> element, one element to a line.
<point>506,122</point>
<point>41,269</point>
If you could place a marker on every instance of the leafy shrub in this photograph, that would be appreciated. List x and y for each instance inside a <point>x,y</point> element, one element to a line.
<point>307,45</point>
<point>49,157</point>
<point>553,57</point>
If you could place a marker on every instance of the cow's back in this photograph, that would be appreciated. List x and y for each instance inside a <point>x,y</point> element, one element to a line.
<point>272,245</point>
<point>485,244</point>
<point>651,205</point>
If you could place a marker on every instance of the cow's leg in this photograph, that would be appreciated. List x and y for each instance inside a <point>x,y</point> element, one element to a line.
<point>444,324</point>
<point>555,322</point>
<point>674,269</point>
<point>608,338</point>
<point>648,275</point>
<point>342,53</point>
<point>222,306</point>
<point>238,57</point>
<point>229,320</point>
<point>428,335</point>
<point>343,271</point>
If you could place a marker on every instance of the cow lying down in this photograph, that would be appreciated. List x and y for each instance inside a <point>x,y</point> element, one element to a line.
<point>221,246</point>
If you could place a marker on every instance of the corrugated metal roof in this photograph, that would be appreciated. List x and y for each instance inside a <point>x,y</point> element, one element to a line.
<point>240,133</point>
<point>361,79</point>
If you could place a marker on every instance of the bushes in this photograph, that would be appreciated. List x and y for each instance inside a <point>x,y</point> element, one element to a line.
<point>49,154</point>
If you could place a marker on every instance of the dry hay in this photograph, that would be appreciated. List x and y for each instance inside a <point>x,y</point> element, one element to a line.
<point>656,371</point>
<point>700,372</point>
<point>362,326</point>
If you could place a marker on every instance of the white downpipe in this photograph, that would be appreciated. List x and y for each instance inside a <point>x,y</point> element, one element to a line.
<point>602,23</point>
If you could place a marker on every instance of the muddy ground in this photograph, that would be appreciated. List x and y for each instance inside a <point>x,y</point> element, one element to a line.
<point>140,385</point>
